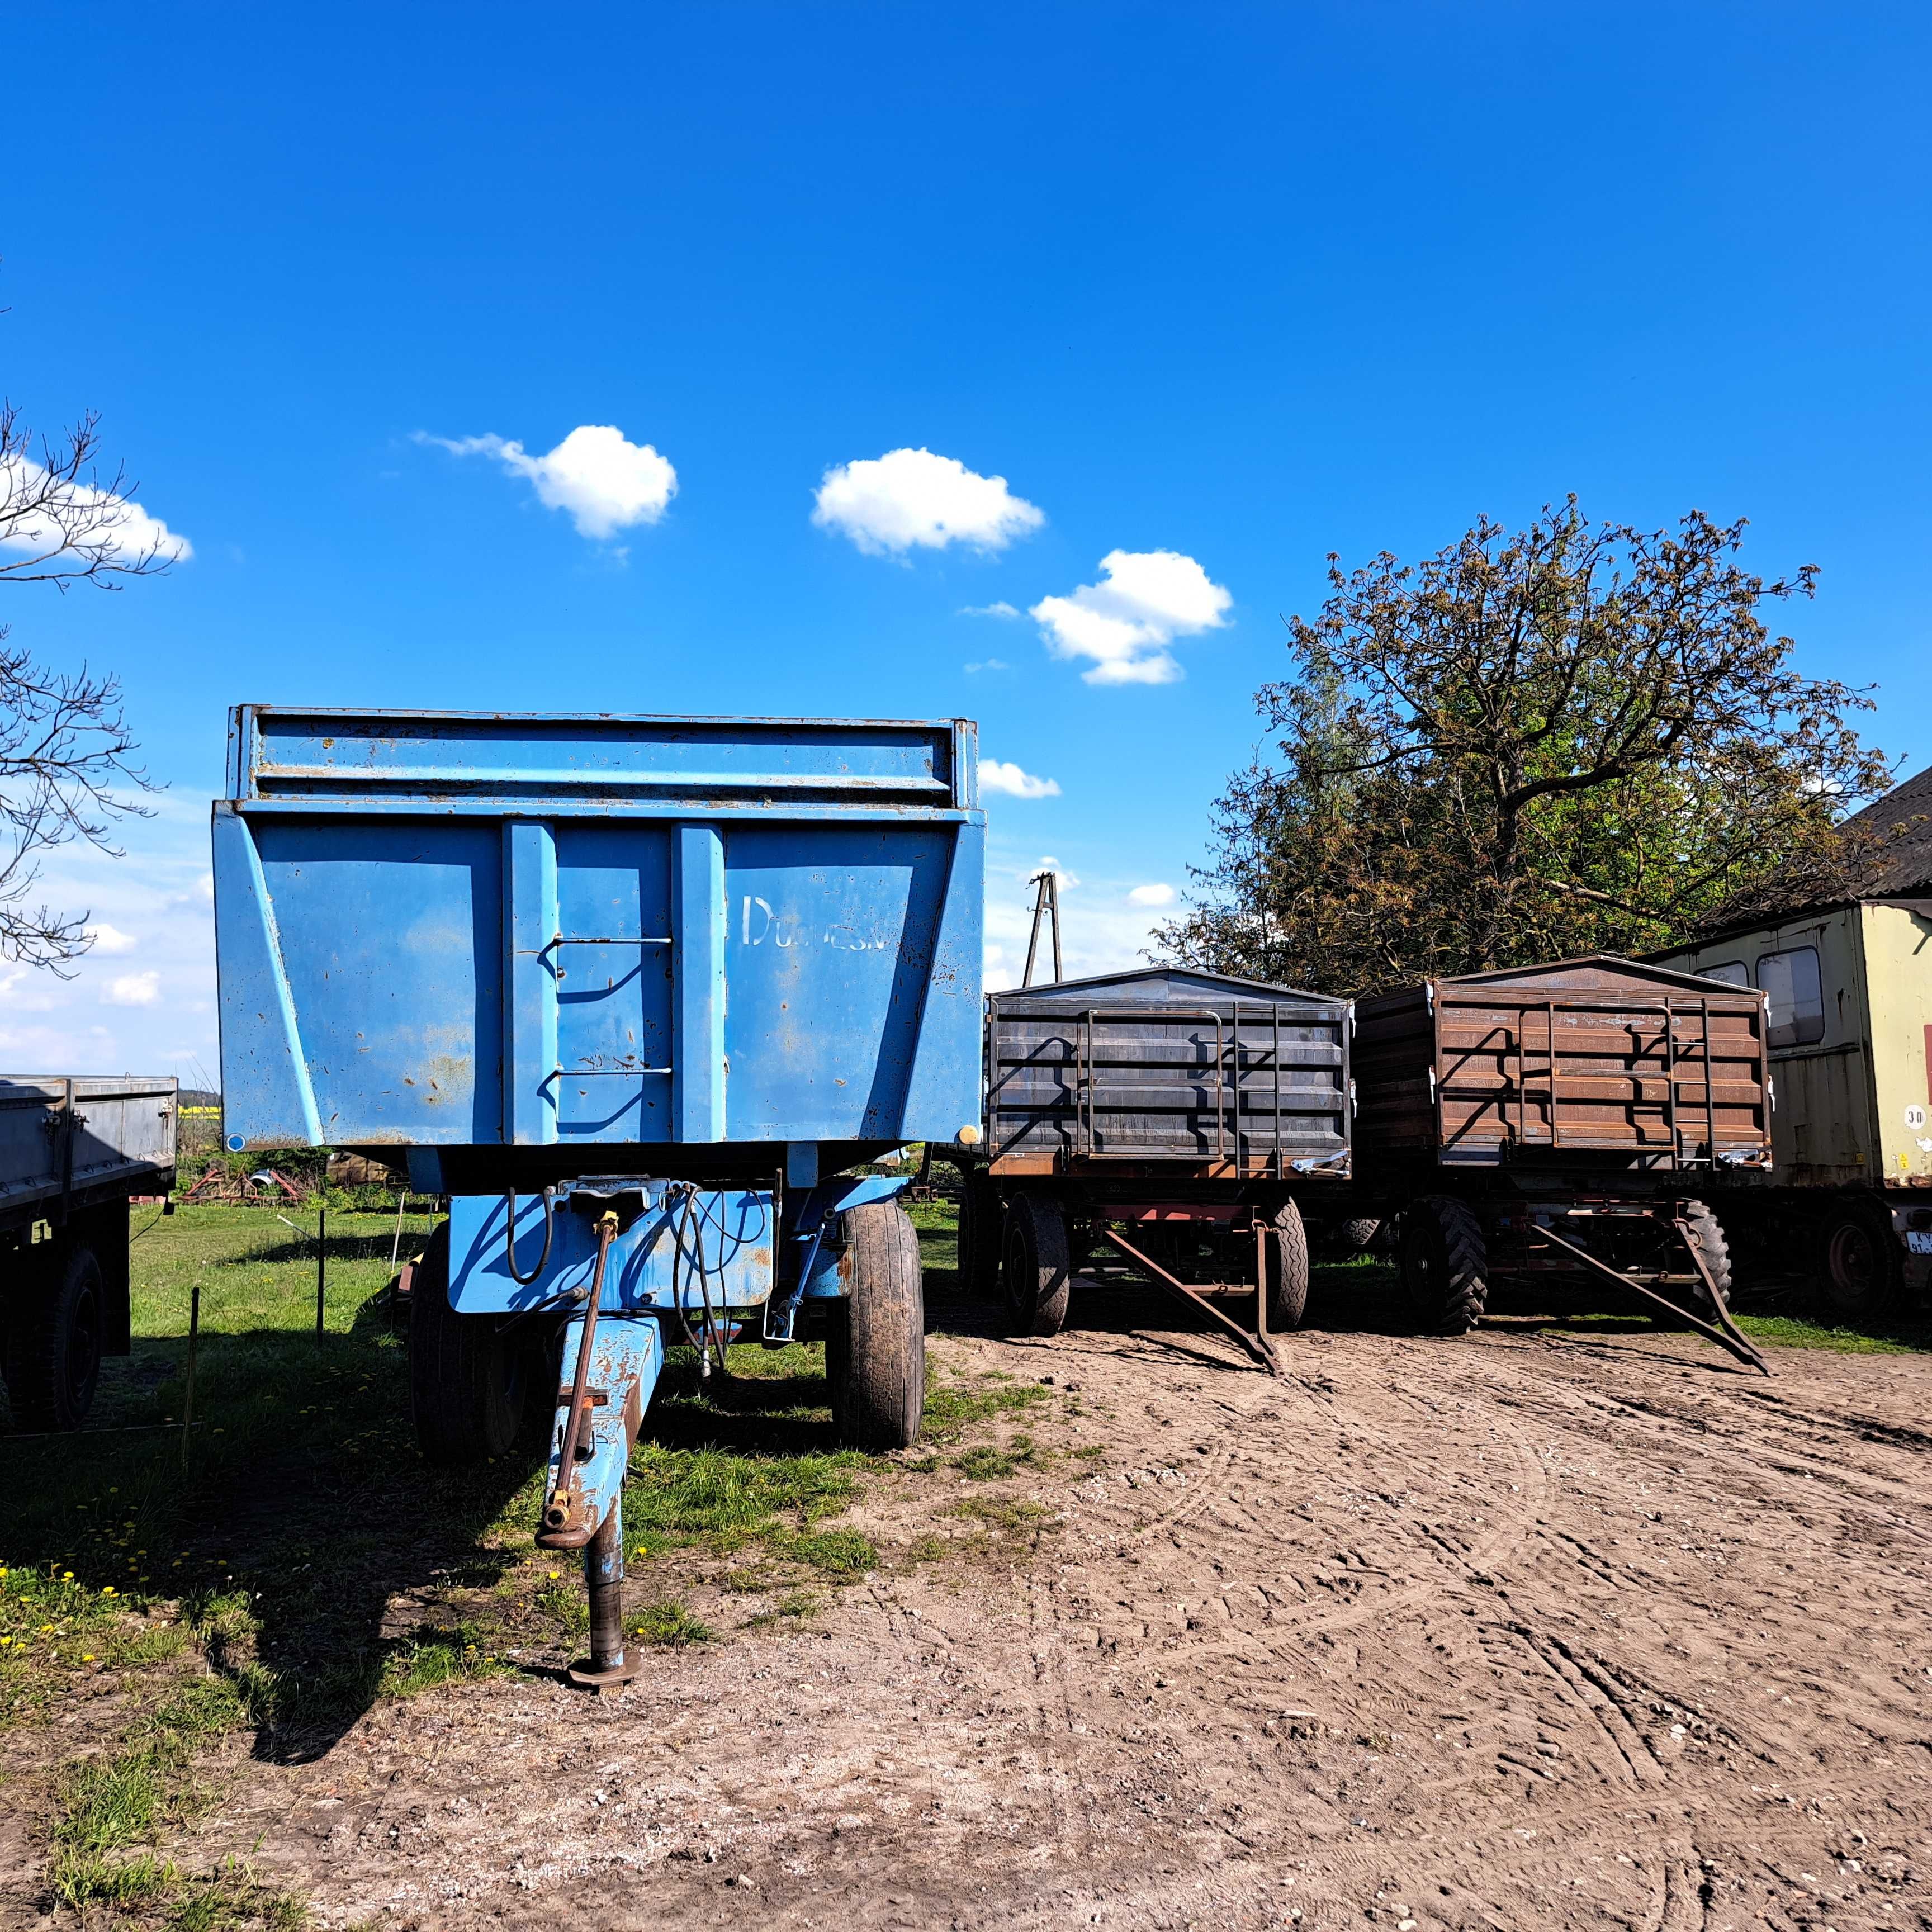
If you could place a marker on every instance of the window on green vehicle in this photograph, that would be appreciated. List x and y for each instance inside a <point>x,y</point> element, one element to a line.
<point>1797,996</point>
<point>1733,972</point>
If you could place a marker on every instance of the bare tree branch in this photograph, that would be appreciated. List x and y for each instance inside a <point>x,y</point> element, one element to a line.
<point>67,757</point>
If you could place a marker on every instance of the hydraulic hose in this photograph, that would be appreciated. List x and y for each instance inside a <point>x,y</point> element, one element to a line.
<point>510,1236</point>
<point>691,1222</point>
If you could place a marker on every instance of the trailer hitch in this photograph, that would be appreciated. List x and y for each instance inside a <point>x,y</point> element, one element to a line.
<point>610,1366</point>
<point>1257,1343</point>
<point>1728,1336</point>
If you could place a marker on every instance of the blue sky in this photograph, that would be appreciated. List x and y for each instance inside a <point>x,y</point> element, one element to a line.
<point>1245,284</point>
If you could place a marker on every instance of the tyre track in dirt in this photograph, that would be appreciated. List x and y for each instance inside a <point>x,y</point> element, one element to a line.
<point>1482,1634</point>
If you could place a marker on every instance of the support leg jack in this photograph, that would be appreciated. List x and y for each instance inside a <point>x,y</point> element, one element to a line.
<point>610,1663</point>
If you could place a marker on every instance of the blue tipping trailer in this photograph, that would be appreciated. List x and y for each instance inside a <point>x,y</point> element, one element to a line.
<point>632,991</point>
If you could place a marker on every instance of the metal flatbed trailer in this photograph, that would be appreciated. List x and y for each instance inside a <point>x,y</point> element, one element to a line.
<point>72,1149</point>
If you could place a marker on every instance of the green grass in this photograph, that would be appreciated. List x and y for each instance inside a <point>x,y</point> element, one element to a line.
<point>797,1606</point>
<point>953,1407</point>
<point>1795,1331</point>
<point>726,1499</point>
<point>670,1624</point>
<point>431,1656</point>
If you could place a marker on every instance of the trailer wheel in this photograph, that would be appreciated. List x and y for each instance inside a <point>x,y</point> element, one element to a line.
<point>468,1380</point>
<point>1035,1269</point>
<point>1285,1257</point>
<point>978,1233</point>
<point>1860,1257</point>
<point>54,1341</point>
<point>1444,1263</point>
<point>1353,1237</point>
<point>875,1347</point>
<point>1709,1234</point>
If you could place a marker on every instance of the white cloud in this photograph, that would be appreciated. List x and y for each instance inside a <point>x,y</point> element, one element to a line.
<point>888,504</point>
<point>987,664</point>
<point>606,482</point>
<point>1012,782</point>
<point>1151,896</point>
<point>1124,624</point>
<point>109,938</point>
<point>128,532</point>
<point>132,989</point>
<point>1001,609</point>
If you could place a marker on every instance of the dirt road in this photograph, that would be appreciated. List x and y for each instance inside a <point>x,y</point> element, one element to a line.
<point>1507,1632</point>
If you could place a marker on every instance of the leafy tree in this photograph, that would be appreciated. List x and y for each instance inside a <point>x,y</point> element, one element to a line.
<point>65,746</point>
<point>1580,738</point>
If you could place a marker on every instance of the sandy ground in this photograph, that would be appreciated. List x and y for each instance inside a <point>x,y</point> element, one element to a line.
<point>1514,1631</point>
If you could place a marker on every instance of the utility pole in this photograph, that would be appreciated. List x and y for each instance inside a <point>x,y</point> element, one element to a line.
<point>1046,905</point>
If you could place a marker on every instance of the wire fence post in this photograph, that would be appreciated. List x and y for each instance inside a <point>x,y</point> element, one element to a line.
<point>321,1268</point>
<point>193,1330</point>
<point>396,1245</point>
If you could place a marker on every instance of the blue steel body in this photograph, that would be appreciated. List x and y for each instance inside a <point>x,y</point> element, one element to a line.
<point>734,954</point>
<point>479,937</point>
<point>728,1242</point>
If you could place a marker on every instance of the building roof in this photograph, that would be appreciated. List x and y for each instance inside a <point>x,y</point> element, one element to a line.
<point>1905,813</point>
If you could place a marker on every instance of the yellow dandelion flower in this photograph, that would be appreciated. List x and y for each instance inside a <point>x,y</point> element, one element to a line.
<point>553,1576</point>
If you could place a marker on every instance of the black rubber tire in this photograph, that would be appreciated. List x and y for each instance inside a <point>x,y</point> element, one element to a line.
<point>1352,1238</point>
<point>1708,1233</point>
<point>875,1357</point>
<point>54,1336</point>
<point>979,1218</point>
<point>1035,1269</point>
<point>1285,1257</point>
<point>1860,1260</point>
<point>468,1381</point>
<point>1444,1263</point>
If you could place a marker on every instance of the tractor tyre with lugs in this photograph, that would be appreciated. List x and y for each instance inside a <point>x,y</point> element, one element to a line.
<point>1706,1233</point>
<point>1444,1263</point>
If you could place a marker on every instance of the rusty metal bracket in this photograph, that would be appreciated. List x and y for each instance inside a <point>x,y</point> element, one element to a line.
<point>1258,1346</point>
<point>1752,1351</point>
<point>1728,1337</point>
<point>560,1510</point>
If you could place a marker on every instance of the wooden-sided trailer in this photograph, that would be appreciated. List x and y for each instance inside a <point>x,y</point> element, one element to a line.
<point>1567,1117</point>
<point>1165,1121</point>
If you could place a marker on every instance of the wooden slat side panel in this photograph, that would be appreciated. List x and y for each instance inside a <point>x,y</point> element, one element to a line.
<point>1394,1051</point>
<point>1604,1065</point>
<point>1167,1087</point>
